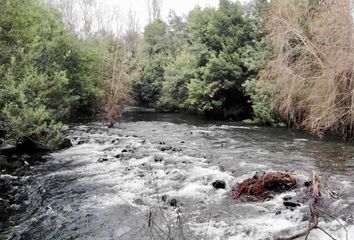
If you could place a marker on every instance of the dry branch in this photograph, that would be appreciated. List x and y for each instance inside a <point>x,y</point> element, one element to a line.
<point>313,64</point>
<point>313,212</point>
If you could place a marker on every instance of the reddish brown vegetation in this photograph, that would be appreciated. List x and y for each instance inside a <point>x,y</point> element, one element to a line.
<point>261,188</point>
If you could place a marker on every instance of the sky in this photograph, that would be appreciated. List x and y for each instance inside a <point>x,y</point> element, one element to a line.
<point>181,7</point>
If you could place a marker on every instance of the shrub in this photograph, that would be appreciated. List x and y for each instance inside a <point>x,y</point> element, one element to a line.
<point>47,74</point>
<point>313,64</point>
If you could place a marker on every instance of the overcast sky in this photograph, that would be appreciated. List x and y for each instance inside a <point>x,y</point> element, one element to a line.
<point>181,7</point>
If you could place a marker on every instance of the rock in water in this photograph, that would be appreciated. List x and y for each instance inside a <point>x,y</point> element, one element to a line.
<point>30,146</point>
<point>173,202</point>
<point>219,184</point>
<point>158,158</point>
<point>291,205</point>
<point>101,160</point>
<point>259,174</point>
<point>65,144</point>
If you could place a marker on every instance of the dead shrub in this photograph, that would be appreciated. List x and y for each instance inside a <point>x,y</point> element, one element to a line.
<point>115,69</point>
<point>259,189</point>
<point>313,64</point>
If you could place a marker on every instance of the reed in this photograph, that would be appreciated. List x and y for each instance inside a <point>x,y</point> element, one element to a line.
<point>313,64</point>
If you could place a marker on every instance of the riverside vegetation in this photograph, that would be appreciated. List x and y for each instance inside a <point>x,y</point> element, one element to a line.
<point>275,62</point>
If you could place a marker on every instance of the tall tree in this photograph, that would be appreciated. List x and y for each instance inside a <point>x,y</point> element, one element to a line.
<point>154,8</point>
<point>221,36</point>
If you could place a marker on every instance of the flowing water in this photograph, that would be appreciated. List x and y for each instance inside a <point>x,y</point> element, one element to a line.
<point>120,182</point>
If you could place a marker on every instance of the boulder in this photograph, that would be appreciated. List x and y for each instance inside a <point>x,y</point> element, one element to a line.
<point>291,205</point>
<point>176,149</point>
<point>158,158</point>
<point>164,197</point>
<point>119,155</point>
<point>219,184</point>
<point>287,198</point>
<point>101,160</point>
<point>259,174</point>
<point>65,144</point>
<point>165,148</point>
<point>28,145</point>
<point>173,202</point>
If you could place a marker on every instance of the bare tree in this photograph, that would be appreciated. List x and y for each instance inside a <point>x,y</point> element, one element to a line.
<point>132,36</point>
<point>68,10</point>
<point>87,7</point>
<point>154,8</point>
<point>133,22</point>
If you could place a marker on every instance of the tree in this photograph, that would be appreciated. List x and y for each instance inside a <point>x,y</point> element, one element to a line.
<point>178,75</point>
<point>47,74</point>
<point>221,36</point>
<point>154,8</point>
<point>154,56</point>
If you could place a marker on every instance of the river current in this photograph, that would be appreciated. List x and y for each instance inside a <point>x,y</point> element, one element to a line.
<point>150,177</point>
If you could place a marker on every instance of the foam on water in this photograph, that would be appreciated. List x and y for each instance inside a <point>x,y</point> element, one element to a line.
<point>98,191</point>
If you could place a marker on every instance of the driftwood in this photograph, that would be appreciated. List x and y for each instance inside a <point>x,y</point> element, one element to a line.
<point>313,212</point>
<point>260,188</point>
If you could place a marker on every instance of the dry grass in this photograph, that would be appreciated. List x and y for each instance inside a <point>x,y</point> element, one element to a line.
<point>313,65</point>
<point>260,189</point>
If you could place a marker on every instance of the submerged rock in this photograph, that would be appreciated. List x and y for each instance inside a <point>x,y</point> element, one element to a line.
<point>259,189</point>
<point>173,202</point>
<point>259,174</point>
<point>287,198</point>
<point>139,201</point>
<point>176,149</point>
<point>158,158</point>
<point>65,144</point>
<point>101,160</point>
<point>291,205</point>
<point>119,155</point>
<point>164,197</point>
<point>165,148</point>
<point>30,146</point>
<point>219,184</point>
<point>80,142</point>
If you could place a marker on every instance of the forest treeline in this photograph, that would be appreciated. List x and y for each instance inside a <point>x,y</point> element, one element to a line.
<point>278,62</point>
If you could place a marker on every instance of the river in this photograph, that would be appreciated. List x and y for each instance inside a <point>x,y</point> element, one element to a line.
<point>120,182</point>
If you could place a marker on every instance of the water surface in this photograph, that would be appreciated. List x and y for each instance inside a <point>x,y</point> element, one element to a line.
<point>88,192</point>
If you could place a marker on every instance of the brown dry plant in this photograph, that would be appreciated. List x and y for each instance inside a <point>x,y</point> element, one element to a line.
<point>313,64</point>
<point>115,77</point>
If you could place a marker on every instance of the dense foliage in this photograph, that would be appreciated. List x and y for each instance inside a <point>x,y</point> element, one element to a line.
<point>268,60</point>
<point>48,75</point>
<point>200,64</point>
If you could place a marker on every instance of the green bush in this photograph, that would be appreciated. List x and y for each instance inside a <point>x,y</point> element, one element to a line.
<point>48,75</point>
<point>262,95</point>
<point>177,77</point>
<point>221,38</point>
<point>25,112</point>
